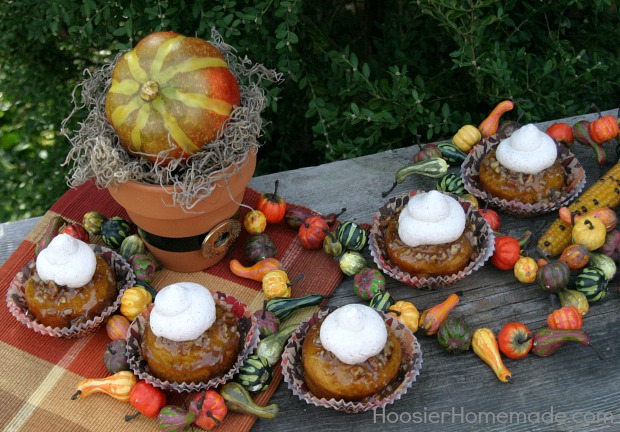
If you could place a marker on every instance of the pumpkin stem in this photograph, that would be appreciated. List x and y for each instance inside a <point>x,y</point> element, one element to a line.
<point>149,91</point>
<point>76,395</point>
<point>589,223</point>
<point>299,277</point>
<point>131,416</point>
<point>525,339</point>
<point>387,192</point>
<point>344,209</point>
<point>394,311</point>
<point>597,110</point>
<point>275,189</point>
<point>264,309</point>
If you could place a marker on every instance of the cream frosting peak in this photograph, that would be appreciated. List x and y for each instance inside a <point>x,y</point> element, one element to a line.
<point>182,311</point>
<point>67,261</point>
<point>528,150</point>
<point>431,218</point>
<point>354,333</point>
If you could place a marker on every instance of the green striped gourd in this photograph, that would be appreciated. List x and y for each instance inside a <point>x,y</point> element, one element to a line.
<point>592,283</point>
<point>114,231</point>
<point>283,307</point>
<point>452,183</point>
<point>255,373</point>
<point>454,335</point>
<point>132,245</point>
<point>451,154</point>
<point>382,301</point>
<point>351,236</point>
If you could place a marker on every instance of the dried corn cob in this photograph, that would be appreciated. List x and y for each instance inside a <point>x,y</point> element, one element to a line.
<point>604,193</point>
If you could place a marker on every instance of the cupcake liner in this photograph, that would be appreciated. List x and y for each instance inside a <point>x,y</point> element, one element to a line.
<point>483,242</point>
<point>248,333</point>
<point>292,370</point>
<point>470,173</point>
<point>16,297</point>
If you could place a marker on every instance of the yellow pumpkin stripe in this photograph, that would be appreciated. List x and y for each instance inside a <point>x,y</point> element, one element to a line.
<point>122,112</point>
<point>174,129</point>
<point>197,100</point>
<point>141,120</point>
<point>125,87</point>
<point>134,67</point>
<point>162,52</point>
<point>190,65</point>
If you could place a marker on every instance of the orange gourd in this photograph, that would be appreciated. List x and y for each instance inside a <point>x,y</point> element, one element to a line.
<point>431,318</point>
<point>406,313</point>
<point>134,301</point>
<point>576,256</point>
<point>603,129</point>
<point>565,318</point>
<point>116,327</point>
<point>486,347</point>
<point>256,272</point>
<point>170,92</point>
<point>118,386</point>
<point>490,124</point>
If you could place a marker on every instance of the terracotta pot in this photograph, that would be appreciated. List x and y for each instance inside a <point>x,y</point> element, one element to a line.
<point>185,240</point>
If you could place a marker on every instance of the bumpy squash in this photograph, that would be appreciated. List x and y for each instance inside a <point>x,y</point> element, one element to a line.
<point>134,300</point>
<point>406,313</point>
<point>454,335</point>
<point>170,92</point>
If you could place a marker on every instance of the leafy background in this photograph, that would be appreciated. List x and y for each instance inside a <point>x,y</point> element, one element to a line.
<point>361,76</point>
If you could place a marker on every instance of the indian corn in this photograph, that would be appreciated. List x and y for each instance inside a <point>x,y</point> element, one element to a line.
<point>604,193</point>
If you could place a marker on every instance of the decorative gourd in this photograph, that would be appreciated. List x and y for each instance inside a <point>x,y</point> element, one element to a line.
<point>170,92</point>
<point>114,356</point>
<point>576,256</point>
<point>565,318</point>
<point>277,284</point>
<point>267,322</point>
<point>368,282</point>
<point>515,340</point>
<point>114,231</point>
<point>491,217</point>
<point>604,263</point>
<point>485,346</point>
<point>590,232</point>
<point>132,245</point>
<point>147,399</point>
<point>272,205</point>
<point>173,418</point>
<point>351,236</point>
<point>611,247</point>
<point>331,245</point>
<point>351,262</point>
<point>547,341</point>
<point>296,215</point>
<point>426,152</point>
<point>76,231</point>
<point>118,386</point>
<point>490,124</point>
<point>570,297</point>
<point>209,407</point>
<point>466,137</point>
<point>434,167</point>
<point>239,400</point>
<point>603,129</point>
<point>471,199</point>
<point>92,222</point>
<point>52,230</point>
<point>116,327</point>
<point>406,313</point>
<point>283,307</point>
<point>431,318</point>
<point>312,232</point>
<point>134,300</point>
<point>257,271</point>
<point>452,154</point>
<point>382,301</point>
<point>581,134</point>
<point>604,214</point>
<point>454,335</point>
<point>452,183</point>
<point>561,132</point>
<point>255,222</point>
<point>507,252</point>
<point>525,269</point>
<point>143,267</point>
<point>259,247</point>
<point>592,283</point>
<point>271,347</point>
<point>554,276</point>
<point>255,373</point>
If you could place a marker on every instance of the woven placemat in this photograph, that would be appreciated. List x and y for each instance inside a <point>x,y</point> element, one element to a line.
<point>40,373</point>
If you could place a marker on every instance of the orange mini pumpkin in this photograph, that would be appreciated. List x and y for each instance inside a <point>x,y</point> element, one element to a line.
<point>576,256</point>
<point>171,92</point>
<point>565,318</point>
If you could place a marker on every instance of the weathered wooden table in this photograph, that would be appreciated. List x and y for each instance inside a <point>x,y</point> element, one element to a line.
<point>572,390</point>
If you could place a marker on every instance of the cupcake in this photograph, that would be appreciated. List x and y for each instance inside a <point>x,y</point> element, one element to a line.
<point>70,289</point>
<point>429,239</point>
<point>190,339</point>
<point>351,359</point>
<point>526,174</point>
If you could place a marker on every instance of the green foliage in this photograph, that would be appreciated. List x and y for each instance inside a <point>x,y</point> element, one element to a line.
<point>361,76</point>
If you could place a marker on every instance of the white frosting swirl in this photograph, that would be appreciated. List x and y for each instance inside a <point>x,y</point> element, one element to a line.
<point>354,333</point>
<point>528,150</point>
<point>182,311</point>
<point>431,218</point>
<point>66,261</point>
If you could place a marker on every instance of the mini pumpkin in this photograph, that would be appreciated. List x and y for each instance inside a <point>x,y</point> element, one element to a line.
<point>603,129</point>
<point>406,313</point>
<point>134,300</point>
<point>553,276</point>
<point>466,137</point>
<point>576,256</point>
<point>507,252</point>
<point>312,232</point>
<point>272,205</point>
<point>565,318</point>
<point>525,269</point>
<point>590,232</point>
<point>277,284</point>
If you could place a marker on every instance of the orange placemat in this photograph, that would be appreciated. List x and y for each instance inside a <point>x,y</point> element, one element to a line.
<point>39,373</point>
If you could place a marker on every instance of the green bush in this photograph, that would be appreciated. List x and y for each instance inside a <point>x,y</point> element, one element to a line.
<point>360,76</point>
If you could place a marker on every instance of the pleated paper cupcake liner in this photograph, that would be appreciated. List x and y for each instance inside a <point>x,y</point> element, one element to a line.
<point>248,333</point>
<point>482,240</point>
<point>411,365</point>
<point>470,173</point>
<point>16,297</point>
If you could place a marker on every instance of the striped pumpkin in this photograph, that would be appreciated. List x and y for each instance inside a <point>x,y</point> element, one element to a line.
<point>592,283</point>
<point>170,92</point>
<point>351,236</point>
